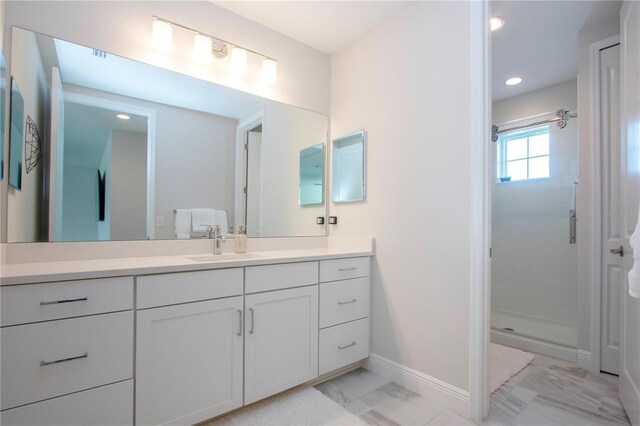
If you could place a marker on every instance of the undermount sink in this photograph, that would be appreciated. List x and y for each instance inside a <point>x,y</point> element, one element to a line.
<point>222,257</point>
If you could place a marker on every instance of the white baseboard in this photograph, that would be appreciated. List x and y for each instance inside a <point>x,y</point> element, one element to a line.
<point>584,360</point>
<point>533,345</point>
<point>452,397</point>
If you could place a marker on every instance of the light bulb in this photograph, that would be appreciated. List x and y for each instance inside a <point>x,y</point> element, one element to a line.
<point>238,60</point>
<point>269,70</point>
<point>202,48</point>
<point>497,22</point>
<point>162,38</point>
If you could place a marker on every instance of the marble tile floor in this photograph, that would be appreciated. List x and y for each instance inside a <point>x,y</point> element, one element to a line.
<point>547,392</point>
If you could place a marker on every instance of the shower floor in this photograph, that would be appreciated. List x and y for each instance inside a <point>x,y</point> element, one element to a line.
<point>536,328</point>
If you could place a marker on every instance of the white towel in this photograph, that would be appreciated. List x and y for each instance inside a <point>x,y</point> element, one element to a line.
<point>183,224</point>
<point>202,219</point>
<point>221,219</point>
<point>634,273</point>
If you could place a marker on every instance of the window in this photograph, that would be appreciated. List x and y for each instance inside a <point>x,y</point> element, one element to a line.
<point>523,154</point>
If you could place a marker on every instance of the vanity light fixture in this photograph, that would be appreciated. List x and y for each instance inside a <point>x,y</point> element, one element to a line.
<point>162,36</point>
<point>123,116</point>
<point>202,48</point>
<point>497,22</point>
<point>206,46</point>
<point>269,70</point>
<point>513,81</point>
<point>238,60</point>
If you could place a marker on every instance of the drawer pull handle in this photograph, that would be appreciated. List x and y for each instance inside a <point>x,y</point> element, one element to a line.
<point>353,268</point>
<point>252,315</point>
<point>57,302</point>
<point>347,346</point>
<point>58,361</point>
<point>348,301</point>
<point>240,321</point>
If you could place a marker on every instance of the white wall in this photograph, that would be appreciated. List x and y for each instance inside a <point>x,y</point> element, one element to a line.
<point>534,268</point>
<point>25,206</point>
<point>195,158</point>
<point>408,84</point>
<point>585,198</point>
<point>79,216</point>
<point>128,185</point>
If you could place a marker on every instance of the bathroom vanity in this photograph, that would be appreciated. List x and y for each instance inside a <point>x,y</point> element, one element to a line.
<point>176,339</point>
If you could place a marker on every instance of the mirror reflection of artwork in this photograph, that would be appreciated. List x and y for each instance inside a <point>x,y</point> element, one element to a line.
<point>348,178</point>
<point>3,98</point>
<point>16,137</point>
<point>32,152</point>
<point>312,175</point>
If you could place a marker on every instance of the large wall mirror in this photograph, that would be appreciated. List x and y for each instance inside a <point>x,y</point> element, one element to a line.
<point>128,145</point>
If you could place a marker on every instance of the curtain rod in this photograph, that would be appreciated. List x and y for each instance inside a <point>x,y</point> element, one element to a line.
<point>561,119</point>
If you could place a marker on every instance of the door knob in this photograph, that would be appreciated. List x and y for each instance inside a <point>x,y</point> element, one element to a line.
<point>618,251</point>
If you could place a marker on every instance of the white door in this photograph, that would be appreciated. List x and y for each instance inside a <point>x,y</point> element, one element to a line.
<point>254,183</point>
<point>611,289</point>
<point>281,341</point>
<point>188,361</point>
<point>348,175</point>
<point>56,159</point>
<point>630,155</point>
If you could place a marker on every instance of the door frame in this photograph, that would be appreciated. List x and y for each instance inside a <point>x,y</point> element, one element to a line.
<point>595,169</point>
<point>481,166</point>
<point>78,98</point>
<point>243,128</point>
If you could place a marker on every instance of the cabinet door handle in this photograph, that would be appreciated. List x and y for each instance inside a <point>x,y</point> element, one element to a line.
<point>347,346</point>
<point>353,268</point>
<point>58,361</point>
<point>57,302</point>
<point>252,315</point>
<point>348,301</point>
<point>240,322</point>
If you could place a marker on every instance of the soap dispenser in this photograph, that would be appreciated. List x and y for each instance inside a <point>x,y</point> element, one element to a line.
<point>241,240</point>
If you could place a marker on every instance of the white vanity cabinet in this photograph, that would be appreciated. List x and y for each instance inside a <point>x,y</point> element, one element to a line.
<point>281,341</point>
<point>67,353</point>
<point>188,355</point>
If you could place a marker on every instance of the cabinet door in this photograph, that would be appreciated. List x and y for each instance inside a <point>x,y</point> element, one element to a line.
<point>188,362</point>
<point>281,341</point>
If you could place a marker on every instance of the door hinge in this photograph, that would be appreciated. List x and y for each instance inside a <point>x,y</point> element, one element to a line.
<point>246,147</point>
<point>618,251</point>
<point>490,251</point>
<point>245,189</point>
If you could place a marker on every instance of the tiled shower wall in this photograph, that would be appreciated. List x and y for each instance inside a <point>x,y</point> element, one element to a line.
<point>534,269</point>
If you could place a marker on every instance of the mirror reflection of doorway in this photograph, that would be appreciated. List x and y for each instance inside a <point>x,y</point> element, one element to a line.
<point>253,181</point>
<point>113,144</point>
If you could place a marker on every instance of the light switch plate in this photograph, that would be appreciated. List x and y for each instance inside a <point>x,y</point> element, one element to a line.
<point>159,221</point>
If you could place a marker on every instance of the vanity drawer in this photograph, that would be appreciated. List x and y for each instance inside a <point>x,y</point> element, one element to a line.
<point>276,277</point>
<point>23,304</point>
<point>171,289</point>
<point>50,359</point>
<point>343,345</point>
<point>340,269</point>
<point>106,405</point>
<point>343,301</point>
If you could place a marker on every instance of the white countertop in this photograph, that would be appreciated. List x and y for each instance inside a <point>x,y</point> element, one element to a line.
<point>27,273</point>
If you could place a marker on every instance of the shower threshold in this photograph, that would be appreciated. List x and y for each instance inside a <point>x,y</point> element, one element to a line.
<point>555,332</point>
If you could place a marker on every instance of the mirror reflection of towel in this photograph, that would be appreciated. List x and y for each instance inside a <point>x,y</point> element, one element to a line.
<point>183,224</point>
<point>202,219</point>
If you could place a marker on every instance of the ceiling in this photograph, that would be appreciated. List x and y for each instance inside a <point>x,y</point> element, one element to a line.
<point>328,26</point>
<point>539,41</point>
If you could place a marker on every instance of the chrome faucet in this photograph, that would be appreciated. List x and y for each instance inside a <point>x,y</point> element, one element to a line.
<point>214,232</point>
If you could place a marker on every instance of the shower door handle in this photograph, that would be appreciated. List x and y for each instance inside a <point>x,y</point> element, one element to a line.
<point>572,226</point>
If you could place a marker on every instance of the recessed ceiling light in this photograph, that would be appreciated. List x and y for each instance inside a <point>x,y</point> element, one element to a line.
<point>513,81</point>
<point>497,22</point>
<point>123,116</point>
